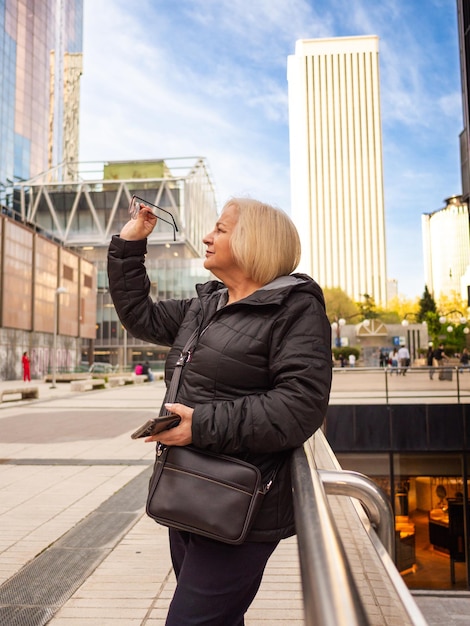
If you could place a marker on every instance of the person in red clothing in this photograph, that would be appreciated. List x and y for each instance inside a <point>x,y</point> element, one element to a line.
<point>26,367</point>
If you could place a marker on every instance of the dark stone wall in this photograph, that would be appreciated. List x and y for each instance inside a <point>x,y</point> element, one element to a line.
<point>398,428</point>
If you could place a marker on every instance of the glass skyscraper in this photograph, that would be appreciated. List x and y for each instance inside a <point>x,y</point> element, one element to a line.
<point>58,215</point>
<point>40,68</point>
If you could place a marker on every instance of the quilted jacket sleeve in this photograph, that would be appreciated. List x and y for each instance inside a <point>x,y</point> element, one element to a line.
<point>130,286</point>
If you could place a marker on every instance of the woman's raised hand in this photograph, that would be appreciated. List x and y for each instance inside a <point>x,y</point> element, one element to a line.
<point>140,227</point>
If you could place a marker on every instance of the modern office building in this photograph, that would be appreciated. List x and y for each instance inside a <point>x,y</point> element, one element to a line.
<point>336,163</point>
<point>392,288</point>
<point>40,68</point>
<point>46,290</point>
<point>90,203</point>
<point>463,18</point>
<point>446,249</point>
<point>59,211</point>
<point>47,301</point>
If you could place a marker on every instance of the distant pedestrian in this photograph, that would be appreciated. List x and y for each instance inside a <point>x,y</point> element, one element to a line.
<point>430,361</point>
<point>403,360</point>
<point>394,361</point>
<point>439,356</point>
<point>26,367</point>
<point>352,360</point>
<point>342,360</point>
<point>464,360</point>
<point>148,372</point>
<point>383,358</point>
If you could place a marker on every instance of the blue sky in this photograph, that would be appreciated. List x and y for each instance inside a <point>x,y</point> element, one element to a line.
<point>172,78</point>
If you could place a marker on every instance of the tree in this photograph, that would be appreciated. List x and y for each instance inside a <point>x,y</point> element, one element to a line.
<point>368,308</point>
<point>426,305</point>
<point>435,328</point>
<point>339,305</point>
<point>403,307</point>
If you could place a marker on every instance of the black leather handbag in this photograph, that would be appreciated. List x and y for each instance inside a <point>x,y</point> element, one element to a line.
<point>201,492</point>
<point>204,493</point>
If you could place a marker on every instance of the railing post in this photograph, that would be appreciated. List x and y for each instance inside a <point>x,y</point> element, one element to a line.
<point>377,505</point>
<point>386,386</point>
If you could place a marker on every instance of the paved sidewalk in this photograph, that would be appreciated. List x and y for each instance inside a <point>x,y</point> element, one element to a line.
<point>75,545</point>
<point>76,548</point>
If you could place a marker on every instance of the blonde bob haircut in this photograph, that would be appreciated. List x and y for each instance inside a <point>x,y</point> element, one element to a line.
<point>264,243</point>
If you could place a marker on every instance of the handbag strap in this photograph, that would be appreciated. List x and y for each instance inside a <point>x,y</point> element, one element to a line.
<point>183,358</point>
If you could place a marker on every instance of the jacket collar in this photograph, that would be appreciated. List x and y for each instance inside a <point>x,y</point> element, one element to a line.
<point>274,292</point>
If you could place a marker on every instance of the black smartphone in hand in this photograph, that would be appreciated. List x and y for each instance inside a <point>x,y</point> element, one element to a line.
<point>157,425</point>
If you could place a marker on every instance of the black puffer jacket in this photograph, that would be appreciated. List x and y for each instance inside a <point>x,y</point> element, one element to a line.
<point>260,376</point>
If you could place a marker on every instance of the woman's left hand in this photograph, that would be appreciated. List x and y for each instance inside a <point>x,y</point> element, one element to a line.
<point>181,435</point>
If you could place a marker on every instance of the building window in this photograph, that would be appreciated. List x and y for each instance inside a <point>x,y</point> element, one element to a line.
<point>67,272</point>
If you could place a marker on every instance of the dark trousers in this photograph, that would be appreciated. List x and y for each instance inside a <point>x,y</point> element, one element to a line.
<point>216,582</point>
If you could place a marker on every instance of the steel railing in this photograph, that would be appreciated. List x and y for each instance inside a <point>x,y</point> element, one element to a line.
<point>377,505</point>
<point>330,591</point>
<point>450,382</point>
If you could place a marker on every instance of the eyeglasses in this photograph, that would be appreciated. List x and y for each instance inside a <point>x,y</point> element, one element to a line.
<point>137,203</point>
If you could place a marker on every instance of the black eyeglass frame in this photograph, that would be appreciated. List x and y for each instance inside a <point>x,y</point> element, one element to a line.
<point>134,211</point>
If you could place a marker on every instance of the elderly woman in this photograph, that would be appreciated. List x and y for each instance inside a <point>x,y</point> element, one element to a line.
<point>257,385</point>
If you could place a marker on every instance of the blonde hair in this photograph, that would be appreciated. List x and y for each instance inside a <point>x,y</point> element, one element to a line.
<point>265,243</point>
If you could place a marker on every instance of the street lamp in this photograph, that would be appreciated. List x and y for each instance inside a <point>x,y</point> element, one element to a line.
<point>57,293</point>
<point>337,326</point>
<point>454,327</point>
<point>406,322</point>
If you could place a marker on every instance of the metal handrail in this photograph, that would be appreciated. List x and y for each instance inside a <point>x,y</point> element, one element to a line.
<point>457,391</point>
<point>331,597</point>
<point>377,506</point>
<point>330,591</point>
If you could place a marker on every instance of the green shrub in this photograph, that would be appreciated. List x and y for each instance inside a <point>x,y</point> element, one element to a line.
<point>346,351</point>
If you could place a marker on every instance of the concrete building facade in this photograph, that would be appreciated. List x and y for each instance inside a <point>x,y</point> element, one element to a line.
<point>336,163</point>
<point>446,249</point>
<point>91,202</point>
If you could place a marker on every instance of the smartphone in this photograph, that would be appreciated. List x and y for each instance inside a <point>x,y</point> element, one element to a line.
<point>156,425</point>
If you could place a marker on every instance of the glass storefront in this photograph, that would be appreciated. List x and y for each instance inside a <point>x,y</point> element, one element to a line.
<point>428,493</point>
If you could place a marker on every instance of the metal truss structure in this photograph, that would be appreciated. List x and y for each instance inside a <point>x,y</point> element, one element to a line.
<point>82,204</point>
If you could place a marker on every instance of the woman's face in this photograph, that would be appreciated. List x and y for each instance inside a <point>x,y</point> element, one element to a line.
<point>219,259</point>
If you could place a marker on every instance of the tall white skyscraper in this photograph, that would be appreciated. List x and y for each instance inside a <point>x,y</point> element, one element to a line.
<point>336,163</point>
<point>446,247</point>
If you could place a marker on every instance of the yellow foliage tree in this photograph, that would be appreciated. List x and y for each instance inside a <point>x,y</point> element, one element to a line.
<point>339,305</point>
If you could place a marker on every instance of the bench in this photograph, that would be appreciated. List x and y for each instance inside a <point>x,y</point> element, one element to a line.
<point>139,378</point>
<point>26,393</point>
<point>117,381</point>
<point>88,385</point>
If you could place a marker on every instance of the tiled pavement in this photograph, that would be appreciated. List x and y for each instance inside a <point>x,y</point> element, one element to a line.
<point>75,546</point>
<point>61,457</point>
